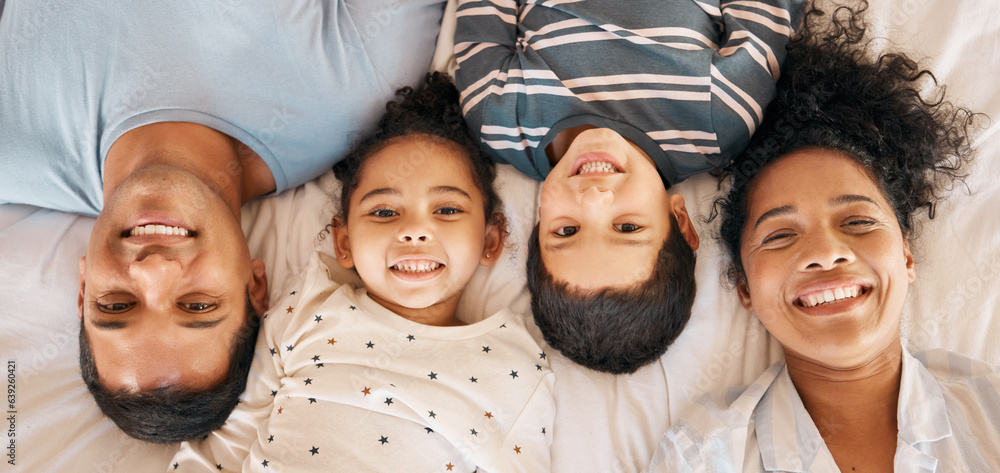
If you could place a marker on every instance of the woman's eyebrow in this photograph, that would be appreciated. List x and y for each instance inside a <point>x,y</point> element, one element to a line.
<point>852,198</point>
<point>784,209</point>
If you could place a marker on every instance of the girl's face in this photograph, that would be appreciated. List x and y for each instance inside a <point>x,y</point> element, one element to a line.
<point>827,266</point>
<point>416,230</point>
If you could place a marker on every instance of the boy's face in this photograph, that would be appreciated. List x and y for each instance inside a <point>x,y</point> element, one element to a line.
<point>604,213</point>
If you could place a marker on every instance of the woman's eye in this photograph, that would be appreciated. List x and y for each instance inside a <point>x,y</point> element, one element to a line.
<point>449,211</point>
<point>198,306</point>
<point>860,222</point>
<point>383,213</point>
<point>115,307</point>
<point>566,231</point>
<point>628,228</point>
<point>776,236</point>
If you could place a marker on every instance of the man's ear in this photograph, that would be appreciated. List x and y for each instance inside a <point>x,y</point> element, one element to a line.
<point>258,287</point>
<point>496,233</point>
<point>79,300</point>
<point>684,221</point>
<point>342,243</point>
<point>744,292</point>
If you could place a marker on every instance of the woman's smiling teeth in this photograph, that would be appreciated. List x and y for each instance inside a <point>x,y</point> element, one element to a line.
<point>157,230</point>
<point>597,167</point>
<point>416,266</point>
<point>830,295</point>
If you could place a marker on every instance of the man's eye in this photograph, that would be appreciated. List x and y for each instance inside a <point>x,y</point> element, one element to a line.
<point>115,307</point>
<point>566,231</point>
<point>198,306</point>
<point>383,213</point>
<point>628,228</point>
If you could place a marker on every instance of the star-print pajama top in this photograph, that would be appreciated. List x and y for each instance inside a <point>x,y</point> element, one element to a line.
<point>340,383</point>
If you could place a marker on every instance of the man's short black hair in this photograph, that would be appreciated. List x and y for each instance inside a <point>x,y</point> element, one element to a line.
<point>171,414</point>
<point>616,330</point>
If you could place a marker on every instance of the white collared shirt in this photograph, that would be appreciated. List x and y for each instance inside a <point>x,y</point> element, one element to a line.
<point>948,419</point>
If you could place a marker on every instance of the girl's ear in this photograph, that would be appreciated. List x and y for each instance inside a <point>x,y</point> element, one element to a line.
<point>341,243</point>
<point>496,233</point>
<point>744,292</point>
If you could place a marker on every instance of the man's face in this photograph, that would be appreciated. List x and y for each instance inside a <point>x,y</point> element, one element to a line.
<point>605,214</point>
<point>163,286</point>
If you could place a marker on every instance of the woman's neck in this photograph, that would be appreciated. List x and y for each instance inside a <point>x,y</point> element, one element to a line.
<point>853,409</point>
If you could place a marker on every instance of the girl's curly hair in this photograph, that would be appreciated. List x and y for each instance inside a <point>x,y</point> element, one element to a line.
<point>435,113</point>
<point>833,94</point>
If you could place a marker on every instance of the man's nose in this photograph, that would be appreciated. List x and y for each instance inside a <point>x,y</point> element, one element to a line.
<point>154,274</point>
<point>596,197</point>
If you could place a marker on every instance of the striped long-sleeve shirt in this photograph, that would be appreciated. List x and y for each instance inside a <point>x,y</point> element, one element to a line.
<point>685,80</point>
<point>948,418</point>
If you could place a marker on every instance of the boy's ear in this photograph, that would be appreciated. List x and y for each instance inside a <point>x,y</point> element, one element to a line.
<point>342,243</point>
<point>684,221</point>
<point>496,233</point>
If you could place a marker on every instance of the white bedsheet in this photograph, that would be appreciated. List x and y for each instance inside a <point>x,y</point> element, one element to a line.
<point>604,423</point>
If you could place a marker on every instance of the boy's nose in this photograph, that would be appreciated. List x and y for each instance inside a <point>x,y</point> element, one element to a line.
<point>596,197</point>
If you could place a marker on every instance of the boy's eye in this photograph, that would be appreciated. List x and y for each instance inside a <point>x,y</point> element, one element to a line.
<point>198,306</point>
<point>448,211</point>
<point>383,213</point>
<point>115,307</point>
<point>628,228</point>
<point>566,231</point>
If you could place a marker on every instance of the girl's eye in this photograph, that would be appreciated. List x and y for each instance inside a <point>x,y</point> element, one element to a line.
<point>628,228</point>
<point>449,211</point>
<point>566,231</point>
<point>198,306</point>
<point>383,213</point>
<point>115,307</point>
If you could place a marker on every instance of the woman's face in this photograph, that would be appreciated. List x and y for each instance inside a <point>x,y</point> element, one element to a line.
<point>827,266</point>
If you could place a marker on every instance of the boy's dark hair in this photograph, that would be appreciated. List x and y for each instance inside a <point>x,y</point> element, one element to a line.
<point>833,95</point>
<point>616,330</point>
<point>433,111</point>
<point>175,414</point>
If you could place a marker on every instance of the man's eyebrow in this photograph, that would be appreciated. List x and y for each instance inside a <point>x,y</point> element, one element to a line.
<point>108,324</point>
<point>784,209</point>
<point>632,241</point>
<point>204,324</point>
<point>852,198</point>
<point>378,192</point>
<point>451,190</point>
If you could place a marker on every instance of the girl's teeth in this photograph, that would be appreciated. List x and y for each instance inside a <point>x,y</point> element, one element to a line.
<point>416,267</point>
<point>158,230</point>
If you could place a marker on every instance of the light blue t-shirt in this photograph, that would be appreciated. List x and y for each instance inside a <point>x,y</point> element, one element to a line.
<point>296,81</point>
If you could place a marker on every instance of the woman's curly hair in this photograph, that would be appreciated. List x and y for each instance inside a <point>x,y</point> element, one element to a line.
<point>834,95</point>
<point>434,112</point>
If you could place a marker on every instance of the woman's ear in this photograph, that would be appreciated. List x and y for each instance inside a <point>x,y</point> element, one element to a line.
<point>684,221</point>
<point>496,233</point>
<point>341,243</point>
<point>911,269</point>
<point>744,292</point>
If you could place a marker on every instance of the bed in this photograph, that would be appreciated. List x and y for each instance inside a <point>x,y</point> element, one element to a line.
<point>604,423</point>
